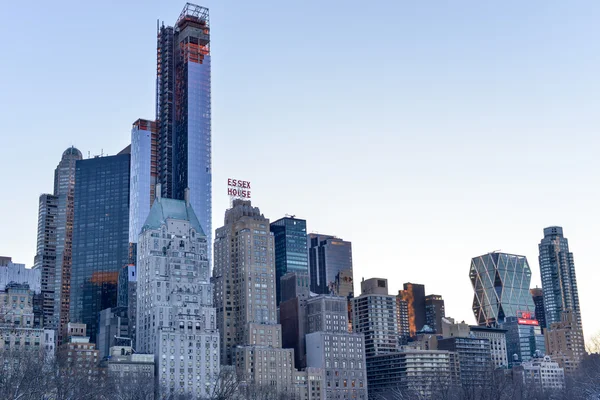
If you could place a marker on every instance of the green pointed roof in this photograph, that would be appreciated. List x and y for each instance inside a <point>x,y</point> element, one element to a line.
<point>164,209</point>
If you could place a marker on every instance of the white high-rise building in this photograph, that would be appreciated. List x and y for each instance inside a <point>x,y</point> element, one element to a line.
<point>175,318</point>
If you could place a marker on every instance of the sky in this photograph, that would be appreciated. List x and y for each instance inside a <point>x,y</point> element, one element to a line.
<point>426,133</point>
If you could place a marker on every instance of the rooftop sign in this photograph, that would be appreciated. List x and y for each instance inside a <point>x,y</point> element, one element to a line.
<point>238,189</point>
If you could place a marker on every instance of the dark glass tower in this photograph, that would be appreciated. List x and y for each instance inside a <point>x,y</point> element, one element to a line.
<point>557,268</point>
<point>330,264</point>
<point>434,312</point>
<point>100,236</point>
<point>290,249</point>
<point>537,294</point>
<point>183,111</point>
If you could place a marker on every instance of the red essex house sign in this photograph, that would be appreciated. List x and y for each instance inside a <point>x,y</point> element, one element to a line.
<point>525,318</point>
<point>238,188</point>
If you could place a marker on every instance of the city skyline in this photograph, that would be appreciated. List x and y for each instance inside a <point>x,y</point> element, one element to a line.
<point>442,196</point>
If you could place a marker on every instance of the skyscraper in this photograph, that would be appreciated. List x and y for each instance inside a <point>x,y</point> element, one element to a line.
<point>537,294</point>
<point>403,320</point>
<point>54,243</point>
<point>174,307</point>
<point>523,338</point>
<point>100,236</point>
<point>557,269</point>
<point>331,347</point>
<point>183,111</point>
<point>501,285</point>
<point>290,249</point>
<point>244,296</point>
<point>45,258</point>
<point>374,314</point>
<point>143,172</point>
<point>565,343</point>
<point>330,262</point>
<point>434,312</point>
<point>414,295</point>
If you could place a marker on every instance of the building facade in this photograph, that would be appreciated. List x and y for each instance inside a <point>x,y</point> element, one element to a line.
<point>244,277</point>
<point>523,338</point>
<point>292,314</point>
<point>54,242</point>
<point>45,257</point>
<point>18,273</point>
<point>557,270</point>
<point>542,373</point>
<point>434,312</point>
<point>419,372</point>
<point>183,112</point>
<point>501,285</point>
<point>291,255</point>
<point>403,320</point>
<point>497,339</point>
<point>565,343</point>
<point>175,318</point>
<point>537,294</point>
<point>374,314</point>
<point>414,295</point>
<point>330,347</point>
<point>474,357</point>
<point>113,330</point>
<point>143,175</point>
<point>19,330</point>
<point>330,263</point>
<point>127,298</point>
<point>129,366</point>
<point>100,236</point>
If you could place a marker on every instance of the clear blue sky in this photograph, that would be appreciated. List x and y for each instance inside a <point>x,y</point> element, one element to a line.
<point>424,132</point>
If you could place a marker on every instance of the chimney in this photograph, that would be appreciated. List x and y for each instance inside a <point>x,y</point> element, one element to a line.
<point>158,192</point>
<point>186,196</point>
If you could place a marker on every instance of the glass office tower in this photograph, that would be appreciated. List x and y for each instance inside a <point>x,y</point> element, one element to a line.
<point>143,174</point>
<point>183,112</point>
<point>290,248</point>
<point>330,263</point>
<point>501,285</point>
<point>100,236</point>
<point>559,283</point>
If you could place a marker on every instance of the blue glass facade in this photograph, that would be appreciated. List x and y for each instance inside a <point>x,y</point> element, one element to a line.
<point>100,236</point>
<point>183,112</point>
<point>290,248</point>
<point>143,175</point>
<point>522,340</point>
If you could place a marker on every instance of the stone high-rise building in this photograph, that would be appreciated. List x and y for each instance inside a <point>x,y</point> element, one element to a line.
<point>329,346</point>
<point>565,343</point>
<point>175,318</point>
<point>374,314</point>
<point>244,277</point>
<point>54,243</point>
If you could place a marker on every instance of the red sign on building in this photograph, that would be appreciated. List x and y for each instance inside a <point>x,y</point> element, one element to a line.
<point>238,188</point>
<point>526,318</point>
